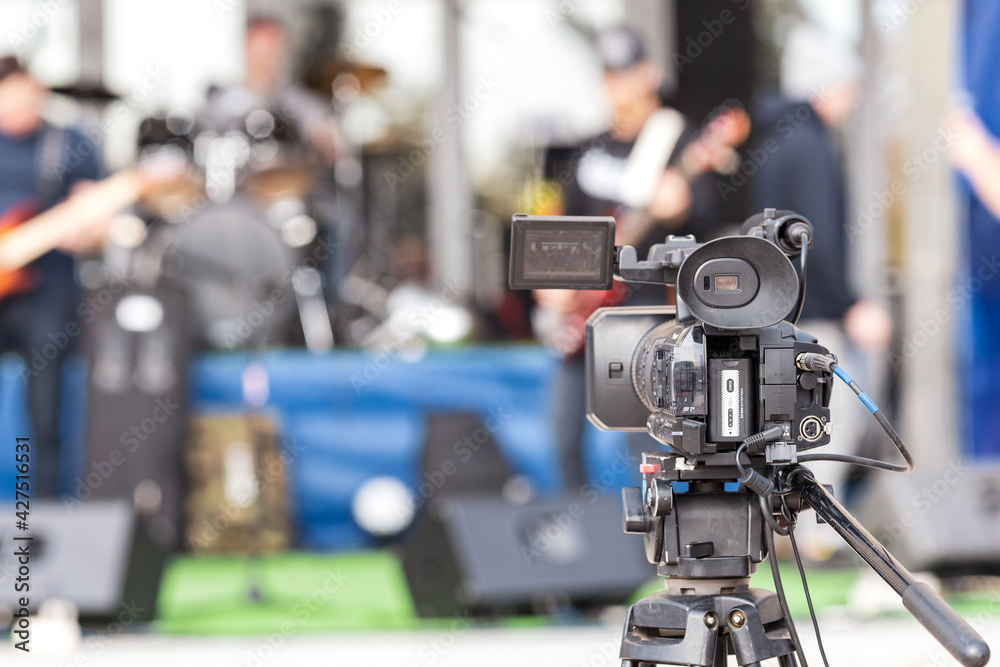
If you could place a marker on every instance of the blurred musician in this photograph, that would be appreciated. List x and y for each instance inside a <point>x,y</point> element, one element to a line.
<point>267,86</point>
<point>648,170</point>
<point>39,165</point>
<point>280,174</point>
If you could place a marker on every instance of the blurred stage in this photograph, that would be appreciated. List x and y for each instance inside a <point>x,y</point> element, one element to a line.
<point>896,642</point>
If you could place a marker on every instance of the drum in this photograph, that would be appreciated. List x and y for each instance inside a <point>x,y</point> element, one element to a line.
<point>238,272</point>
<point>280,164</point>
<point>178,199</point>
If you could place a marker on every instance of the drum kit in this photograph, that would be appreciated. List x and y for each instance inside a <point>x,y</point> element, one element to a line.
<point>265,235</point>
<point>240,232</point>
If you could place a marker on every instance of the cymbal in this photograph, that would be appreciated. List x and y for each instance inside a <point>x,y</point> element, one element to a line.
<point>322,75</point>
<point>87,92</point>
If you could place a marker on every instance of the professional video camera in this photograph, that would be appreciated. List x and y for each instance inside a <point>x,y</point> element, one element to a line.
<point>738,396</point>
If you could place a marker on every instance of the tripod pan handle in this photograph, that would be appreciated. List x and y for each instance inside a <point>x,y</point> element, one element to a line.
<point>950,629</point>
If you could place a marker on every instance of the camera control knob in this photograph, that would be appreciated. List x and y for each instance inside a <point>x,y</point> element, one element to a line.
<point>660,497</point>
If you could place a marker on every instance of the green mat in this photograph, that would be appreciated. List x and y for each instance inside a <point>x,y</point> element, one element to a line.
<point>305,592</point>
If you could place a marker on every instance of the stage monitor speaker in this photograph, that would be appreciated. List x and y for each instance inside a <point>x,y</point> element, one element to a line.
<point>138,350</point>
<point>945,520</point>
<point>472,554</point>
<point>460,451</point>
<point>97,555</point>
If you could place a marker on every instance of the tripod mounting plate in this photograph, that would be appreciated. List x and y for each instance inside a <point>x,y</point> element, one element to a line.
<point>698,629</point>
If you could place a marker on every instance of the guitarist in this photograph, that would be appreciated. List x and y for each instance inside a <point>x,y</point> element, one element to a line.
<point>640,171</point>
<point>40,165</point>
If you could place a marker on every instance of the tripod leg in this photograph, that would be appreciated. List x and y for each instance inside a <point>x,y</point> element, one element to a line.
<point>787,660</point>
<point>721,651</point>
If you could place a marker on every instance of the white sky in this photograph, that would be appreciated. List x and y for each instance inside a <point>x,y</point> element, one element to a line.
<point>546,74</point>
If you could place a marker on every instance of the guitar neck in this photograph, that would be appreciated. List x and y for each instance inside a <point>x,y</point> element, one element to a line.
<point>642,222</point>
<point>32,239</point>
<point>640,225</point>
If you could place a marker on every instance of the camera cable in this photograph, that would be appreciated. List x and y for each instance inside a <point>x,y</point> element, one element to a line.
<point>802,286</point>
<point>790,520</point>
<point>754,481</point>
<point>765,489</point>
<point>811,361</point>
<point>779,589</point>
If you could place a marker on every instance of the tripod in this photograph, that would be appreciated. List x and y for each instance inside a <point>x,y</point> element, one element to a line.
<point>707,541</point>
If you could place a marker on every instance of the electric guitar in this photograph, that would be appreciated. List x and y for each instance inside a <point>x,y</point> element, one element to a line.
<point>564,332</point>
<point>25,236</point>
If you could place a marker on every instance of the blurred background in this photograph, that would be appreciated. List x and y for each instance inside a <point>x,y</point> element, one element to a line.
<point>283,407</point>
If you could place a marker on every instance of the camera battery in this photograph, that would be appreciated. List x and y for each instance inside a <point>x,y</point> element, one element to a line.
<point>729,404</point>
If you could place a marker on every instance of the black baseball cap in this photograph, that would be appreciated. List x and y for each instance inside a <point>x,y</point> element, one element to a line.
<point>620,49</point>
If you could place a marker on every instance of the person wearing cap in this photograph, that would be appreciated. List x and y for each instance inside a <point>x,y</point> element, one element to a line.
<point>39,165</point>
<point>820,87</point>
<point>634,172</point>
<point>797,126</point>
<point>605,177</point>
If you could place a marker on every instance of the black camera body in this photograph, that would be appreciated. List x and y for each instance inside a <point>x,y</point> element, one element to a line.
<point>702,377</point>
<point>699,389</point>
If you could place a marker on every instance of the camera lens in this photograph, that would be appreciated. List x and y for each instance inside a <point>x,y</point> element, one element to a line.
<point>669,370</point>
<point>644,362</point>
